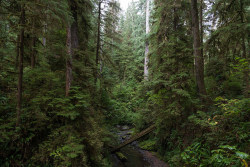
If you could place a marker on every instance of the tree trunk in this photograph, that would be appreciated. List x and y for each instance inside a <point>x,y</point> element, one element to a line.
<point>246,71</point>
<point>33,52</point>
<point>68,61</point>
<point>146,60</point>
<point>244,54</point>
<point>20,75</point>
<point>98,41</point>
<point>201,25</point>
<point>32,46</point>
<point>72,44</point>
<point>198,57</point>
<point>44,33</point>
<point>74,29</point>
<point>17,50</point>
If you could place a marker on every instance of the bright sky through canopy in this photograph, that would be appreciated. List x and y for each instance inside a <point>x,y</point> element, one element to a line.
<point>124,4</point>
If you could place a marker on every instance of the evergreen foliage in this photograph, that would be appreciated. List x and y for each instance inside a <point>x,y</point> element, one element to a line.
<point>54,130</point>
<point>94,53</point>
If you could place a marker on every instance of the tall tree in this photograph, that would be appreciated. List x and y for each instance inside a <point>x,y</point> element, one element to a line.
<point>21,56</point>
<point>17,50</point>
<point>170,68</point>
<point>132,55</point>
<point>98,41</point>
<point>147,44</point>
<point>201,25</point>
<point>244,53</point>
<point>198,57</point>
<point>68,61</point>
<point>33,45</point>
<point>72,43</point>
<point>107,17</point>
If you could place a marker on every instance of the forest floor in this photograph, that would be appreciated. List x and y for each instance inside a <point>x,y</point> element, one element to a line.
<point>153,160</point>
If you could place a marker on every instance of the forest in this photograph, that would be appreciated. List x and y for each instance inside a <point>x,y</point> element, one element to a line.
<point>74,74</point>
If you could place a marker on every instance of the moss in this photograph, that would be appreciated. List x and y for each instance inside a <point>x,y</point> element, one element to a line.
<point>121,156</point>
<point>131,132</point>
<point>148,145</point>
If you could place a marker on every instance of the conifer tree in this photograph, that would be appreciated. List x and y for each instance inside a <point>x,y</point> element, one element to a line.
<point>198,56</point>
<point>98,39</point>
<point>71,71</point>
<point>147,44</point>
<point>72,44</point>
<point>20,70</point>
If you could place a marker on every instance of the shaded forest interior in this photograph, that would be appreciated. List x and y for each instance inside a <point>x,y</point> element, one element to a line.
<point>71,71</point>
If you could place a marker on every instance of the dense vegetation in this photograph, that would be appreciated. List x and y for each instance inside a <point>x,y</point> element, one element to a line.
<point>70,71</point>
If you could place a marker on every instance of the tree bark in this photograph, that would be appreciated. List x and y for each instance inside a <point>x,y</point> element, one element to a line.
<point>68,62</point>
<point>33,52</point>
<point>20,75</point>
<point>244,54</point>
<point>198,57</point>
<point>246,71</point>
<point>146,60</point>
<point>74,29</point>
<point>201,25</point>
<point>17,50</point>
<point>44,33</point>
<point>32,46</point>
<point>72,44</point>
<point>98,40</point>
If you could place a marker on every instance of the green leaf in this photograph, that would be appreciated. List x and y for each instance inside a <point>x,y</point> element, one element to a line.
<point>242,155</point>
<point>228,147</point>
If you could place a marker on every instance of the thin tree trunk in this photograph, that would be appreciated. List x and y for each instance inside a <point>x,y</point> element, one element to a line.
<point>146,60</point>
<point>17,50</point>
<point>201,25</point>
<point>68,62</point>
<point>44,41</point>
<point>44,33</point>
<point>20,75</point>
<point>246,71</point>
<point>199,61</point>
<point>33,45</point>
<point>33,52</point>
<point>74,29</point>
<point>98,41</point>
<point>244,55</point>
